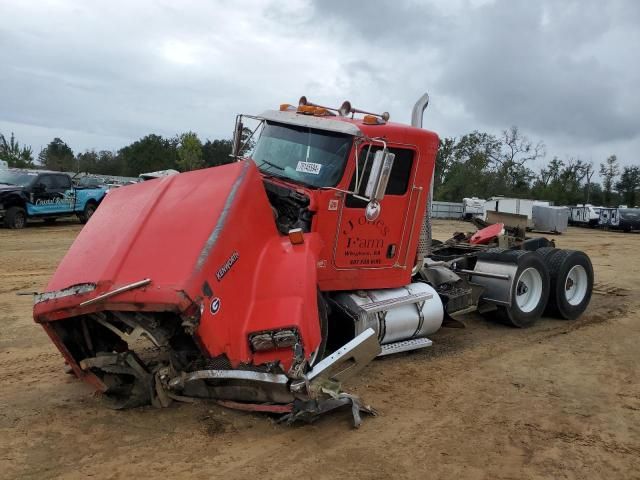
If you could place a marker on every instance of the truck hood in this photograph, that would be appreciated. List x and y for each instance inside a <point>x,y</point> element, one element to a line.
<point>164,230</point>
<point>10,188</point>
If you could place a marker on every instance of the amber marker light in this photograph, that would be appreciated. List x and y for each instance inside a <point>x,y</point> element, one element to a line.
<point>296,237</point>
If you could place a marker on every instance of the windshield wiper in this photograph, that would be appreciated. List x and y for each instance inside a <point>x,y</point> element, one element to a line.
<point>6,183</point>
<point>262,162</point>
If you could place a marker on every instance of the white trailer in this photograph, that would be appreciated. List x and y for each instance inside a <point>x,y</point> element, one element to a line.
<point>518,206</point>
<point>584,215</point>
<point>472,207</point>
<point>609,217</point>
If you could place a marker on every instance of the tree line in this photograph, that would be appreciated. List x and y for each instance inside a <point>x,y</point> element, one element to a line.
<point>482,165</point>
<point>476,164</point>
<point>151,153</point>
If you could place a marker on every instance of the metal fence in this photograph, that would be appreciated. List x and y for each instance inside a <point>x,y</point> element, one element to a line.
<point>446,210</point>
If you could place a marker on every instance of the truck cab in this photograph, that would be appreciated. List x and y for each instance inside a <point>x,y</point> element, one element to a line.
<point>317,169</point>
<point>26,194</point>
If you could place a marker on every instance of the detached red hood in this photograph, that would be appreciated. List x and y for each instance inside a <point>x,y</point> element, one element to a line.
<point>156,229</point>
<point>163,230</point>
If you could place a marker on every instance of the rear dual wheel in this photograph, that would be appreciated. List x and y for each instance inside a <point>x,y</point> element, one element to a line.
<point>571,275</point>
<point>529,292</point>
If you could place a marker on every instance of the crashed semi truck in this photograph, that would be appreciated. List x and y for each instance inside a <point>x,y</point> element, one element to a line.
<point>266,283</point>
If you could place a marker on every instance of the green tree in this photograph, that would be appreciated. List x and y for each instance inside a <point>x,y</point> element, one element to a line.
<point>57,156</point>
<point>609,171</point>
<point>629,185</point>
<point>109,163</point>
<point>464,167</point>
<point>588,174</point>
<point>15,155</point>
<point>444,161</point>
<point>189,152</point>
<point>87,162</point>
<point>217,152</point>
<point>511,159</point>
<point>149,154</point>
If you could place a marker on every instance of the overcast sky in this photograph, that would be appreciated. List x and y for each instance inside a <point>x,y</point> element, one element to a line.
<point>102,74</point>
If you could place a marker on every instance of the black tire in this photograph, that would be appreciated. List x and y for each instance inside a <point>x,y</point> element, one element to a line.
<point>15,218</point>
<point>87,213</point>
<point>546,252</point>
<point>569,297</point>
<point>531,269</point>
<point>323,316</point>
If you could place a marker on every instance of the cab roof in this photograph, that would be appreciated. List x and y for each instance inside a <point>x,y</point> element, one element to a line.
<point>347,125</point>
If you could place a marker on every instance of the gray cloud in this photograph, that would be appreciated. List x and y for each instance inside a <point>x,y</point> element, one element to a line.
<point>101,74</point>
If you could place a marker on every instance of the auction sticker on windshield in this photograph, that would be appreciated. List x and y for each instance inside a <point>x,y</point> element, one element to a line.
<point>308,167</point>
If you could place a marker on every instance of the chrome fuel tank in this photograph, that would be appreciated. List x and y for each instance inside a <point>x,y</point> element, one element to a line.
<point>395,314</point>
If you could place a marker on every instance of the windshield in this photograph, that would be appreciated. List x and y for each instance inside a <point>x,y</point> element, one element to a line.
<point>21,179</point>
<point>313,157</point>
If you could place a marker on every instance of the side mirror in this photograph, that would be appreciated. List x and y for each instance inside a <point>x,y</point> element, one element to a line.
<point>378,180</point>
<point>237,138</point>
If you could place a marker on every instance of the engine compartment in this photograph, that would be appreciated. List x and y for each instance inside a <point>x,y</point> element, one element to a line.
<point>290,208</point>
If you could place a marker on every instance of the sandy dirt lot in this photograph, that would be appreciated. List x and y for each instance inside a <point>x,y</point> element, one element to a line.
<point>559,400</point>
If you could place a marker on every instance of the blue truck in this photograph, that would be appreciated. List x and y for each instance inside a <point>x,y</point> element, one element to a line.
<point>27,194</point>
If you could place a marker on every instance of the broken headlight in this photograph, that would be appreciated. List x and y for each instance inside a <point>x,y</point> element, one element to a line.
<point>270,340</point>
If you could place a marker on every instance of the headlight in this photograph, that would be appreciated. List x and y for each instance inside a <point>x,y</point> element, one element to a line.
<point>270,340</point>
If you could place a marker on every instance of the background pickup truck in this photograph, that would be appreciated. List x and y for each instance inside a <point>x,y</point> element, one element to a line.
<point>28,194</point>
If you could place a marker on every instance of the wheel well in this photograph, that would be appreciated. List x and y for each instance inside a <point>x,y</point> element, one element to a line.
<point>14,201</point>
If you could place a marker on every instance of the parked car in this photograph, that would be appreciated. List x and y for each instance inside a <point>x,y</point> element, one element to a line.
<point>27,194</point>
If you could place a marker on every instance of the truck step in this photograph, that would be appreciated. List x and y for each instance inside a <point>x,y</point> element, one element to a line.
<point>381,305</point>
<point>404,346</point>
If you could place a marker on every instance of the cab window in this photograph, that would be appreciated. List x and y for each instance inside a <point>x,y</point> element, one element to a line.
<point>47,181</point>
<point>62,182</point>
<point>398,181</point>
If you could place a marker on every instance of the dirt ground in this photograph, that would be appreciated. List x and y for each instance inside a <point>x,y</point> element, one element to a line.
<point>559,400</point>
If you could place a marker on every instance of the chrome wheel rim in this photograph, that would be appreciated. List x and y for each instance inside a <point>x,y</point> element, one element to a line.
<point>529,290</point>
<point>575,285</point>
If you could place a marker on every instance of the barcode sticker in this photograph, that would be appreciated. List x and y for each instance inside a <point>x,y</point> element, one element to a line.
<point>309,167</point>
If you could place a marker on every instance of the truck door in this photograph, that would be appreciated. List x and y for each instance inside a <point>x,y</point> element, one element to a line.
<point>65,193</point>
<point>50,195</point>
<point>382,243</point>
<point>42,198</point>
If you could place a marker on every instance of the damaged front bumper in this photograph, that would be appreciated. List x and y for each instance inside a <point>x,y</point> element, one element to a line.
<point>304,398</point>
<point>300,398</point>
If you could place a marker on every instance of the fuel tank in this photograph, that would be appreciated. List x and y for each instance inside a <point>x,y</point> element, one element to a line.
<point>395,314</point>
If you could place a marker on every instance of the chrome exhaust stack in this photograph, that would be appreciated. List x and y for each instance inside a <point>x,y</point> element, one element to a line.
<point>424,243</point>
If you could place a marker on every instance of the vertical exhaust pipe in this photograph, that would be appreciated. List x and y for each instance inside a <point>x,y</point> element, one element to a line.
<point>424,243</point>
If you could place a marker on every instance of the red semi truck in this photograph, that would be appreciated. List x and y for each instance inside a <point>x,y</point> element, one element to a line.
<point>265,283</point>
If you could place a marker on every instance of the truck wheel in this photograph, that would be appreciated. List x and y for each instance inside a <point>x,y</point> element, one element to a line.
<point>546,252</point>
<point>16,218</point>
<point>571,276</point>
<point>530,290</point>
<point>87,213</point>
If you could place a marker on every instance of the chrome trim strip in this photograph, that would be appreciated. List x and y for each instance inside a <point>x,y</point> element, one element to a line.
<point>112,293</point>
